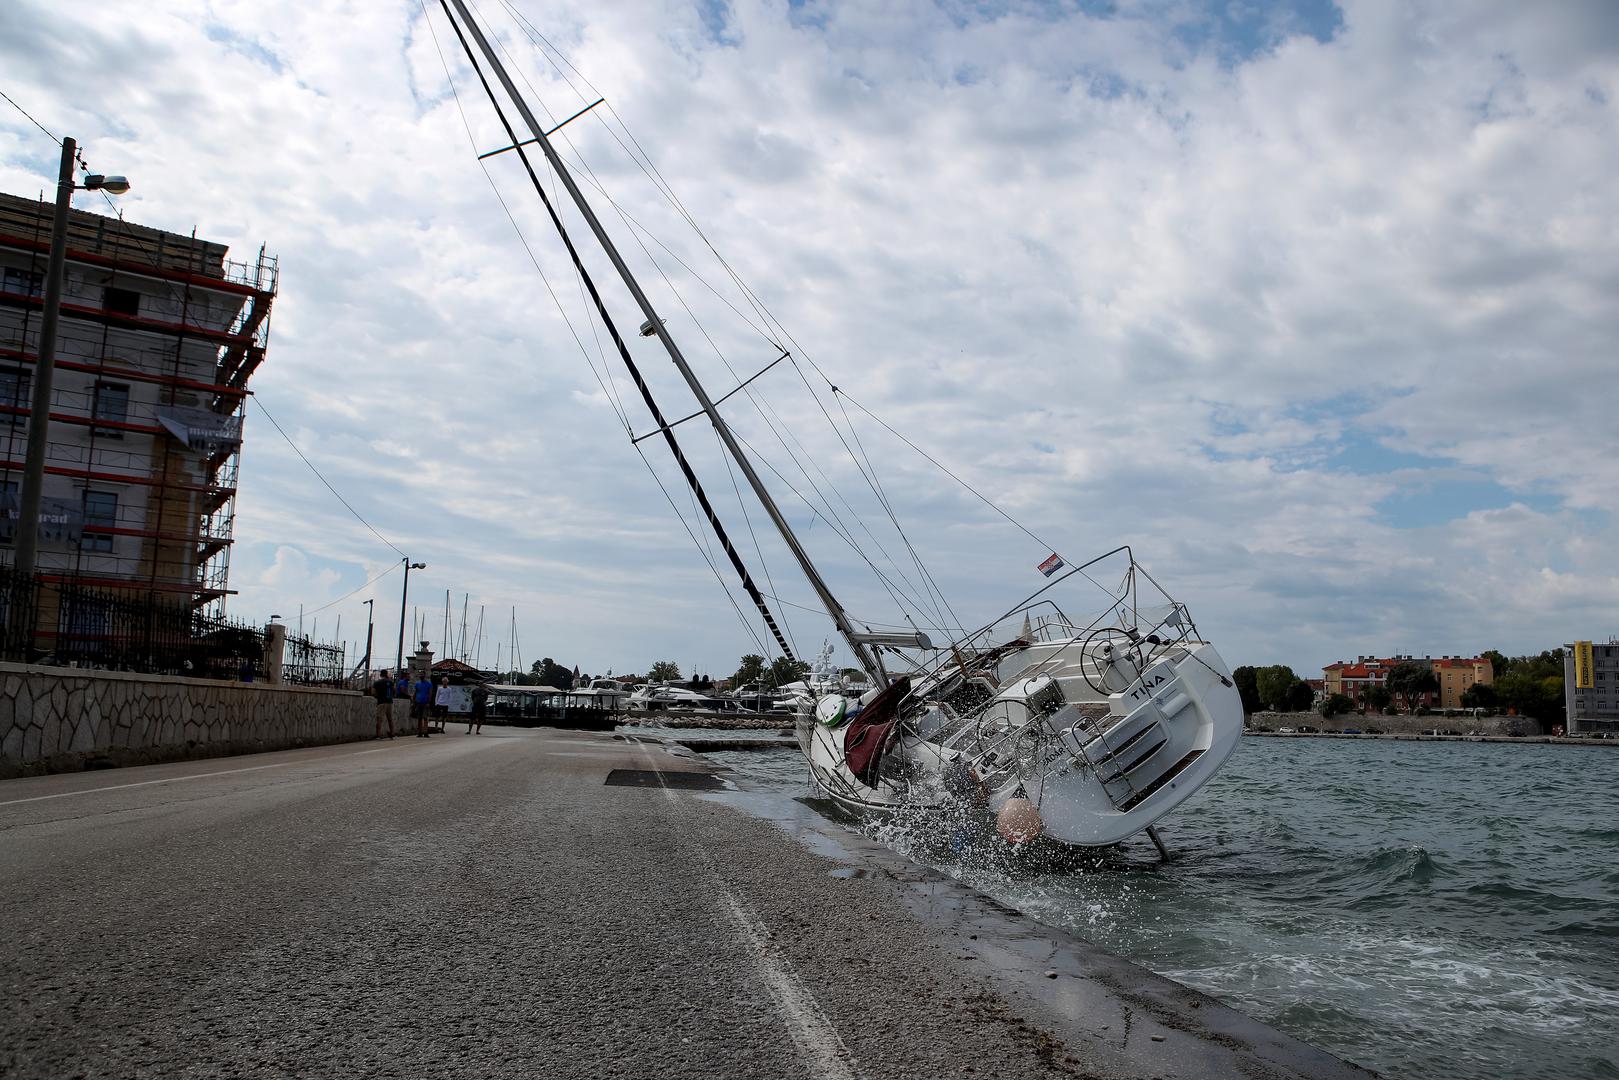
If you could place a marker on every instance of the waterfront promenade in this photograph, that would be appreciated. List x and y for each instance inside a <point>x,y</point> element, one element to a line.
<point>491,905</point>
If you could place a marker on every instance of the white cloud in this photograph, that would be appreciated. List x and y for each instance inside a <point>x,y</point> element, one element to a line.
<point>1137,280</point>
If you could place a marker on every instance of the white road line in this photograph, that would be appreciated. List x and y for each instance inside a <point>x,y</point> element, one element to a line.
<point>808,1026</point>
<point>172,779</point>
<point>145,783</point>
<point>814,1035</point>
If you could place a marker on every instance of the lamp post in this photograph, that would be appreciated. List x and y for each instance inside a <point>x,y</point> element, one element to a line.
<point>370,611</point>
<point>404,605</point>
<point>33,477</point>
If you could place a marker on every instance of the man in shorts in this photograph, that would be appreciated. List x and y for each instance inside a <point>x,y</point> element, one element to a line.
<point>421,704</point>
<point>383,691</point>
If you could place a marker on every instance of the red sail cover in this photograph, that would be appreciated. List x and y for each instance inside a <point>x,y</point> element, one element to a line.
<point>874,730</point>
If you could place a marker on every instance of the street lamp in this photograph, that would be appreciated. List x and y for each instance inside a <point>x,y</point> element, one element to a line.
<point>33,477</point>
<point>370,610</point>
<point>404,596</point>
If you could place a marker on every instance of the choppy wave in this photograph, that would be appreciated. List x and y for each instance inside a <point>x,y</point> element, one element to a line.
<point>1425,909</point>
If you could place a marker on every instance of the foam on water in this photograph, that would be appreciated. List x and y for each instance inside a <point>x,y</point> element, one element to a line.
<point>1425,909</point>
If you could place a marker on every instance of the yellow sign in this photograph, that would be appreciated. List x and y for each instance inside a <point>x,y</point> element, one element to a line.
<point>1582,665</point>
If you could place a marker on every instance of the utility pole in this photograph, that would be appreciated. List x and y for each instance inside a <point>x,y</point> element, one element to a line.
<point>370,611</point>
<point>404,598</point>
<point>33,477</point>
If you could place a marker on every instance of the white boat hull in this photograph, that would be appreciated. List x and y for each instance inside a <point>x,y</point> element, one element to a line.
<point>1094,780</point>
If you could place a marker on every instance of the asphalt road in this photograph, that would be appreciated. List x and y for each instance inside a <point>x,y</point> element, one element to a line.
<point>458,906</point>
<point>488,906</point>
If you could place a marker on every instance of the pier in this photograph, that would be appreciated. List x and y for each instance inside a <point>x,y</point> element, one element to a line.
<point>539,903</point>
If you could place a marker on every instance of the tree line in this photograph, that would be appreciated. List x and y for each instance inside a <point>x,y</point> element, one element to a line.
<point>1529,685</point>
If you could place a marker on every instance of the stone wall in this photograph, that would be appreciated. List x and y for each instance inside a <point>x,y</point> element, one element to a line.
<point>62,719</point>
<point>1399,725</point>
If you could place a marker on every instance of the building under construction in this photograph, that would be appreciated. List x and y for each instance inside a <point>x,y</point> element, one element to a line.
<point>158,336</point>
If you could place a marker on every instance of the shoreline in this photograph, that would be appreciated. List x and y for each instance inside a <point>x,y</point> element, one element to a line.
<point>1558,740</point>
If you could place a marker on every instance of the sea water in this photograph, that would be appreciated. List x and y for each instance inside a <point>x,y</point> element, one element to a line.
<point>1431,909</point>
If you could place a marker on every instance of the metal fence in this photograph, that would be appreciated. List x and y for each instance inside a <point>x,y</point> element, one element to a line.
<point>312,663</point>
<point>74,625</point>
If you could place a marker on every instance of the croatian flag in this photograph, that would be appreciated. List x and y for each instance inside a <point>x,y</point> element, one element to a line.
<point>1051,565</point>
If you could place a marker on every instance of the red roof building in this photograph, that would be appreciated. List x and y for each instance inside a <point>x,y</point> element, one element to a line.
<point>1454,673</point>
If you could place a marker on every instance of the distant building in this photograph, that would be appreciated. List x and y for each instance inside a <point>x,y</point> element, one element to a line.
<point>158,336</point>
<point>1594,707</point>
<point>1454,674</point>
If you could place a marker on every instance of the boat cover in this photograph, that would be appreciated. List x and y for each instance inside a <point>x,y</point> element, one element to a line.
<point>873,730</point>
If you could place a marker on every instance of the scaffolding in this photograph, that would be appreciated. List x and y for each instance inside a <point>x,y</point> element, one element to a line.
<point>158,337</point>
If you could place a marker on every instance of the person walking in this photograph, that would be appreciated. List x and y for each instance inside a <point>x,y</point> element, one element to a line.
<point>441,701</point>
<point>383,691</point>
<point>480,704</point>
<point>421,704</point>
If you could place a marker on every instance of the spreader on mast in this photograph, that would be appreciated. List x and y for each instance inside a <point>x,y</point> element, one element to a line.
<point>864,652</point>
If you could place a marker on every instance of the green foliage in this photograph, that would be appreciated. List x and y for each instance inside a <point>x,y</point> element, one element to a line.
<point>783,671</point>
<point>1528,685</point>
<point>751,670</point>
<point>551,673</point>
<point>1530,694</point>
<point>1336,705</point>
<point>1300,696</point>
<point>663,671</point>
<point>1409,680</point>
<point>1275,684</point>
<point>1248,688</point>
<point>1376,697</point>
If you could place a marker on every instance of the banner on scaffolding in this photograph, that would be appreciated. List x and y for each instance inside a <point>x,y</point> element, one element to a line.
<point>60,521</point>
<point>198,429</point>
<point>1584,678</point>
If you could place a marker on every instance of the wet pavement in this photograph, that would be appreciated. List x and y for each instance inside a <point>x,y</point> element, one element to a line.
<point>492,905</point>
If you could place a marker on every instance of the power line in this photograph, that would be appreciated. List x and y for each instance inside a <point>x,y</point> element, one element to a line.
<point>31,120</point>
<point>315,611</point>
<point>323,480</point>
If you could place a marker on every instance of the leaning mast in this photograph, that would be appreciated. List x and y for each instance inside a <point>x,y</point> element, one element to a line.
<point>857,641</point>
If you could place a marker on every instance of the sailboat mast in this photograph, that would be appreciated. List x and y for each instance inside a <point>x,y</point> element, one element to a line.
<point>866,657</point>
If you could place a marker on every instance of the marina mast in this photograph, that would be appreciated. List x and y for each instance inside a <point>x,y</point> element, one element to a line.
<point>863,652</point>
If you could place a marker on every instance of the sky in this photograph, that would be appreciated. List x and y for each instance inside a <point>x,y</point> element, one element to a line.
<point>1312,304</point>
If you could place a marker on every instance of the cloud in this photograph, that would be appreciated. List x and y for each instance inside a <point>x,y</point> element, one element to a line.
<point>1247,288</point>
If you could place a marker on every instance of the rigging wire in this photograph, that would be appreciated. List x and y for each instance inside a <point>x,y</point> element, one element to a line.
<point>302,457</point>
<point>521,236</point>
<point>894,593</point>
<point>747,519</point>
<point>31,119</point>
<point>935,596</point>
<point>674,446</point>
<point>563,65</point>
<point>333,603</point>
<point>746,625</point>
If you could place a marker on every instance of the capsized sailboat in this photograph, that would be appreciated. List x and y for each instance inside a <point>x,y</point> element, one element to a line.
<point>1084,730</point>
<point>1084,714</point>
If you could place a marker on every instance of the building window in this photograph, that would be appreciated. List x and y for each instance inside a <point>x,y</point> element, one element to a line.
<point>112,403</point>
<point>100,510</point>
<point>16,391</point>
<point>121,301</point>
<point>26,282</point>
<point>10,511</point>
